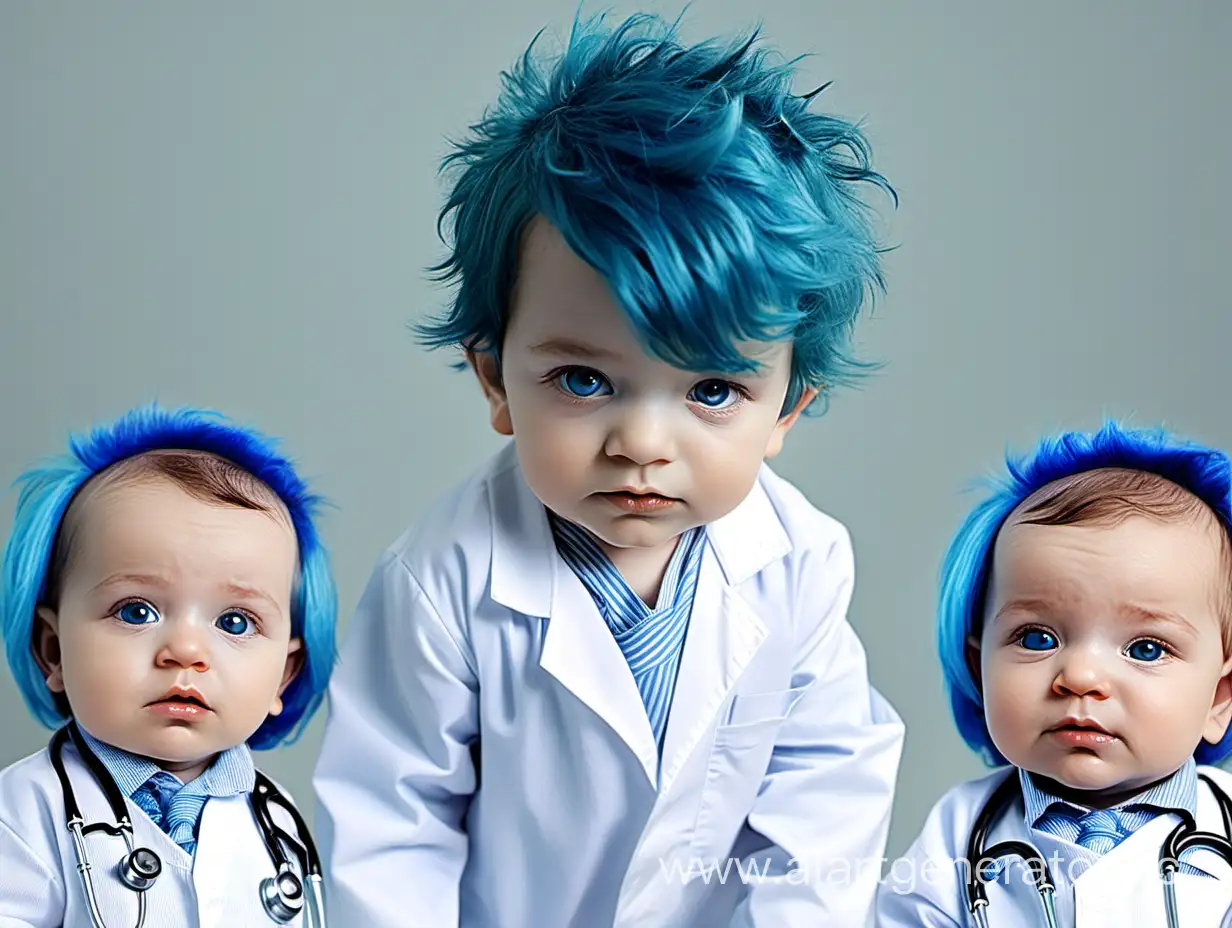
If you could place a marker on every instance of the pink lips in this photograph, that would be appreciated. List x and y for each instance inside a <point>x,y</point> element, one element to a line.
<point>181,702</point>
<point>639,503</point>
<point>1081,733</point>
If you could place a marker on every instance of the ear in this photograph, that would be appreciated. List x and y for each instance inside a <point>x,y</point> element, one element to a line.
<point>487,370</point>
<point>295,663</point>
<point>972,653</point>
<point>1221,706</point>
<point>783,426</point>
<point>45,643</point>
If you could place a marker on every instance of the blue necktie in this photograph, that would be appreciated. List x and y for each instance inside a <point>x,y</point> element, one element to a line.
<point>1101,830</point>
<point>161,797</point>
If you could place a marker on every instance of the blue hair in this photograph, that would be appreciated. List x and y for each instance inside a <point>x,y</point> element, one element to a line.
<point>47,491</point>
<point>715,204</point>
<point>1204,472</point>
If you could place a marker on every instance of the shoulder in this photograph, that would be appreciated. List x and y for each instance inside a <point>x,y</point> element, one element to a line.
<point>450,544</point>
<point>461,517</point>
<point>806,525</point>
<point>949,822</point>
<point>443,562</point>
<point>929,877</point>
<point>31,801</point>
<point>1218,775</point>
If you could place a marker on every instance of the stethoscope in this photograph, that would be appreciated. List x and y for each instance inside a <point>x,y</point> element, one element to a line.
<point>282,895</point>
<point>981,860</point>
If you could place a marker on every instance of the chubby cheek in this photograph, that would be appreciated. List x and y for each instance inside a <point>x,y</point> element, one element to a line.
<point>1167,721</point>
<point>1006,711</point>
<point>554,458</point>
<point>721,479</point>
<point>98,675</point>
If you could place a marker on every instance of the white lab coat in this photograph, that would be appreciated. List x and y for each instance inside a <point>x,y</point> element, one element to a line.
<point>474,641</point>
<point>39,884</point>
<point>1120,889</point>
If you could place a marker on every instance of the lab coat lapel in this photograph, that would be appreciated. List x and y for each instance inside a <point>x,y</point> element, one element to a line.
<point>581,653</point>
<point>724,634</point>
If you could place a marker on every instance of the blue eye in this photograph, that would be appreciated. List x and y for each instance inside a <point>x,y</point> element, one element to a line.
<point>1144,649</point>
<point>714,394</point>
<point>1036,639</point>
<point>583,381</point>
<point>234,623</point>
<point>136,613</point>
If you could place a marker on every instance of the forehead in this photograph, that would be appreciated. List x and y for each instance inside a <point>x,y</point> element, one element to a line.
<point>152,522</point>
<point>559,301</point>
<point>1140,559</point>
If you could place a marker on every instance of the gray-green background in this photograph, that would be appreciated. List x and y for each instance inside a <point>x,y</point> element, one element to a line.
<point>230,204</point>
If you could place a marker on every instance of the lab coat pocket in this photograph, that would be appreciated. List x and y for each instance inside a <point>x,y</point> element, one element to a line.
<point>749,713</point>
<point>738,760</point>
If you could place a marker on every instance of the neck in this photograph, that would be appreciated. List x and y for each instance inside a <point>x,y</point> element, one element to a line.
<point>1096,798</point>
<point>186,770</point>
<point>642,568</point>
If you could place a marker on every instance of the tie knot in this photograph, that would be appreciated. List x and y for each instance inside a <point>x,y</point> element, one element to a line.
<point>162,797</point>
<point>164,786</point>
<point>1100,830</point>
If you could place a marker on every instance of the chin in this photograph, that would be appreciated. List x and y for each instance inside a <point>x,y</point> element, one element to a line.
<point>1086,773</point>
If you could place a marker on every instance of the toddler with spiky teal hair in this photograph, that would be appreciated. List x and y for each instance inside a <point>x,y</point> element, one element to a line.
<point>609,679</point>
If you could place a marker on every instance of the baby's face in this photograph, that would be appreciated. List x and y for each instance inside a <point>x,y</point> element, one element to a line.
<point>610,437</point>
<point>1101,657</point>
<point>172,635</point>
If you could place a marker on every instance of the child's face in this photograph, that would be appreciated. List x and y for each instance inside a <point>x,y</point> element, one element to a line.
<point>1101,658</point>
<point>168,597</point>
<point>610,437</point>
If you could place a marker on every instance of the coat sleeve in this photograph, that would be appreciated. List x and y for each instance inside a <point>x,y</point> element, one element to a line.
<point>395,776</point>
<point>821,817</point>
<point>31,890</point>
<point>925,887</point>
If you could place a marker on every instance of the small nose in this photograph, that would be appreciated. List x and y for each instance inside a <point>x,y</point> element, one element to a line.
<point>641,434</point>
<point>185,645</point>
<point>1082,673</point>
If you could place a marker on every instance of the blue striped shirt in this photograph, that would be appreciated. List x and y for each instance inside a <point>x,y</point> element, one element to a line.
<point>231,773</point>
<point>650,639</point>
<point>1059,817</point>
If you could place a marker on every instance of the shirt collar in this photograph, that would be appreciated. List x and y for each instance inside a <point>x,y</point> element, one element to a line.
<point>1178,792</point>
<point>232,772</point>
<point>611,592</point>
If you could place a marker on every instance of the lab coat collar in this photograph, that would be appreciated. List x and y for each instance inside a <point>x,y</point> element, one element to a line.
<point>751,536</point>
<point>524,560</point>
<point>523,575</point>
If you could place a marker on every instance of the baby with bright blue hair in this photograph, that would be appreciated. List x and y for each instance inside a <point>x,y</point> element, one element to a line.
<point>609,679</point>
<point>1085,630</point>
<point>167,605</point>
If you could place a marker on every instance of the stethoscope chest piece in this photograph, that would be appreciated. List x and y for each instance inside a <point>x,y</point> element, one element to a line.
<point>140,869</point>
<point>282,895</point>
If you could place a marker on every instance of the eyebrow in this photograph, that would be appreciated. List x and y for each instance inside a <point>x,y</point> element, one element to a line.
<point>1125,609</point>
<point>117,579</point>
<point>1134,611</point>
<point>241,590</point>
<point>1023,605</point>
<point>567,347</point>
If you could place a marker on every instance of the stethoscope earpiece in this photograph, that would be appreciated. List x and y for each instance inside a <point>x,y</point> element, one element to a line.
<point>140,869</point>
<point>282,896</point>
